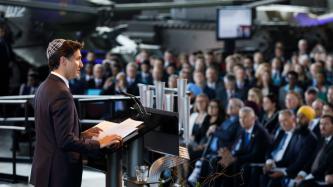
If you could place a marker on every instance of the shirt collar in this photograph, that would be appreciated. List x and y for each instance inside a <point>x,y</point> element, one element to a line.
<point>211,84</point>
<point>289,132</point>
<point>328,139</point>
<point>62,77</point>
<point>250,130</point>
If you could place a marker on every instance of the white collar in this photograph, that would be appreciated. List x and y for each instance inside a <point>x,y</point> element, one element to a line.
<point>250,130</point>
<point>289,132</point>
<point>62,77</point>
<point>328,139</point>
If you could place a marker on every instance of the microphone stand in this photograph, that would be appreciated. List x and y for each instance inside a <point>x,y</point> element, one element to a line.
<point>139,107</point>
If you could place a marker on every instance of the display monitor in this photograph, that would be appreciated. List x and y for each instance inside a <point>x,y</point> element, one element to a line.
<point>233,22</point>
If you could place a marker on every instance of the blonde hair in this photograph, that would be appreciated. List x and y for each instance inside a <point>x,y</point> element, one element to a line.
<point>258,94</point>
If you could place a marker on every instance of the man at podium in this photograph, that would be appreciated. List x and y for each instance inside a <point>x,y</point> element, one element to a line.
<point>59,144</point>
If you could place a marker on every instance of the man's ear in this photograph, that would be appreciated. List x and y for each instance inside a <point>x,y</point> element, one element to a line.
<point>62,61</point>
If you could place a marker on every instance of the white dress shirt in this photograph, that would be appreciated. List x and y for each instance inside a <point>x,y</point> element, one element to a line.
<point>278,156</point>
<point>62,77</point>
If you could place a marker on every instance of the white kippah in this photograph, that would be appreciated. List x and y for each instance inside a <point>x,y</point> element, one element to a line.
<point>53,47</point>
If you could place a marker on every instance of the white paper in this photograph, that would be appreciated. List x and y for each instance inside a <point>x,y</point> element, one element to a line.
<point>122,129</point>
<point>131,123</point>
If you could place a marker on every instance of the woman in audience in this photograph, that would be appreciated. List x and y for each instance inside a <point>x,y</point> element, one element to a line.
<point>302,76</point>
<point>214,118</point>
<point>270,118</point>
<point>216,115</point>
<point>197,126</point>
<point>265,83</point>
<point>254,95</point>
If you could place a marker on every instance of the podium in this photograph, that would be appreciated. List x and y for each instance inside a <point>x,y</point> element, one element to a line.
<point>158,128</point>
<point>159,133</point>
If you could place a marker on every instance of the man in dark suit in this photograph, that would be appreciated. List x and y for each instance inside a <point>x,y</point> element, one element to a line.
<point>97,82</point>
<point>242,84</point>
<point>291,150</point>
<point>249,148</point>
<point>57,159</point>
<point>318,106</point>
<point>322,164</point>
<point>213,81</point>
<point>132,78</point>
<point>229,90</point>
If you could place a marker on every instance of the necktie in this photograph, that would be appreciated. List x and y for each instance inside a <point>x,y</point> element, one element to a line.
<point>247,138</point>
<point>279,147</point>
<point>214,144</point>
<point>315,164</point>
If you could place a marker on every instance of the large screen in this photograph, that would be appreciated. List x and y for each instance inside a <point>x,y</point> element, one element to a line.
<point>233,22</point>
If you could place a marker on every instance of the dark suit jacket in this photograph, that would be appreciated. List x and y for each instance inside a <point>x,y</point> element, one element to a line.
<point>133,87</point>
<point>209,92</point>
<point>316,130</point>
<point>271,124</point>
<point>57,159</point>
<point>299,151</point>
<point>325,164</point>
<point>254,152</point>
<point>243,90</point>
<point>228,131</point>
<point>91,84</point>
<point>223,96</point>
<point>219,86</point>
<point>146,80</point>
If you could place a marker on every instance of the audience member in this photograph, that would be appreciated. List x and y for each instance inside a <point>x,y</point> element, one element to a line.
<point>132,78</point>
<point>249,148</point>
<point>270,116</point>
<point>292,148</point>
<point>322,163</point>
<point>318,106</point>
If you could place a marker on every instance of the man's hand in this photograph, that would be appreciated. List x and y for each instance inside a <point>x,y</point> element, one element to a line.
<point>329,179</point>
<point>211,130</point>
<point>269,165</point>
<point>200,147</point>
<point>299,179</point>
<point>114,141</point>
<point>276,175</point>
<point>227,158</point>
<point>89,133</point>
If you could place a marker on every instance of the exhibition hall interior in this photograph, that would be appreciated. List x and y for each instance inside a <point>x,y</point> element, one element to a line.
<point>166,93</point>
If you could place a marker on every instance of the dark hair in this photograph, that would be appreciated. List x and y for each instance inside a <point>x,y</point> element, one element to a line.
<point>271,97</point>
<point>254,106</point>
<point>222,114</point>
<point>312,90</point>
<point>330,116</point>
<point>329,105</point>
<point>293,73</point>
<point>67,49</point>
<point>230,77</point>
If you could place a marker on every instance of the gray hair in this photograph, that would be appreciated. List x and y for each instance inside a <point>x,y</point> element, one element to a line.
<point>239,103</point>
<point>290,113</point>
<point>247,110</point>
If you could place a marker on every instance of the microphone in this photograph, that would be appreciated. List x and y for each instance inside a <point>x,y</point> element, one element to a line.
<point>138,104</point>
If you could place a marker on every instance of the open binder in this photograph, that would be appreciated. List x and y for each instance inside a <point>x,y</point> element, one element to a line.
<point>123,129</point>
